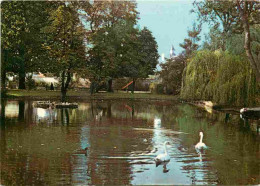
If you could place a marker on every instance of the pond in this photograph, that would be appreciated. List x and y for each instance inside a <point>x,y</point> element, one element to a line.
<point>45,146</point>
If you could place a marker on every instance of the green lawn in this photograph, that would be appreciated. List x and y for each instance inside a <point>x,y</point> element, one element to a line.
<point>43,94</point>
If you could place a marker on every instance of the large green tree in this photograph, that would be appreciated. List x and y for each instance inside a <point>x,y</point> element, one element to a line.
<point>107,52</point>
<point>147,52</point>
<point>21,37</point>
<point>139,55</point>
<point>106,21</point>
<point>64,43</point>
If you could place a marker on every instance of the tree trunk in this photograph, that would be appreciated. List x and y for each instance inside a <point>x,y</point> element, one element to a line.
<point>21,79</point>
<point>3,80</point>
<point>92,88</point>
<point>244,17</point>
<point>22,69</point>
<point>65,85</point>
<point>110,82</point>
<point>63,88</point>
<point>4,58</point>
<point>63,91</point>
<point>133,89</point>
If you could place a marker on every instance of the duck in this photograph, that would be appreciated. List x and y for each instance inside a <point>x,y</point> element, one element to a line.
<point>200,145</point>
<point>82,151</point>
<point>160,158</point>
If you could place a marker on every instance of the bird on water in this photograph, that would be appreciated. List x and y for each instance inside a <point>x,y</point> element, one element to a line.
<point>164,157</point>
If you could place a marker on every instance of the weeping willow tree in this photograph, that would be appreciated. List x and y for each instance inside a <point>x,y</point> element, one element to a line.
<point>220,77</point>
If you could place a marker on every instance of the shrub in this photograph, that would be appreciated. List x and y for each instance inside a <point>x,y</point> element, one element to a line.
<point>30,83</point>
<point>159,89</point>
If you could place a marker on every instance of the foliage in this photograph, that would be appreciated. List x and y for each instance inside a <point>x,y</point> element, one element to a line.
<point>117,48</point>
<point>109,24</point>
<point>108,51</point>
<point>212,76</point>
<point>214,40</point>
<point>119,83</point>
<point>30,83</point>
<point>141,55</point>
<point>235,17</point>
<point>171,74</point>
<point>190,44</point>
<point>225,13</point>
<point>65,43</point>
<point>159,89</point>
<point>235,43</point>
<point>21,37</point>
<point>149,53</point>
<point>104,14</point>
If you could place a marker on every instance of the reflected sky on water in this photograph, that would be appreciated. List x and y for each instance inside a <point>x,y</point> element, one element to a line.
<point>45,146</point>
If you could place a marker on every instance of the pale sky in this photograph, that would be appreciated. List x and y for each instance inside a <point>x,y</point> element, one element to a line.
<point>168,20</point>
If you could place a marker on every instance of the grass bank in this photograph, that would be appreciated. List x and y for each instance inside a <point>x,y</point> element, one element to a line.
<point>84,95</point>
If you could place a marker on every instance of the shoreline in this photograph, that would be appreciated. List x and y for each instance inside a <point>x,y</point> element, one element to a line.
<point>84,95</point>
<point>117,95</point>
<point>74,96</point>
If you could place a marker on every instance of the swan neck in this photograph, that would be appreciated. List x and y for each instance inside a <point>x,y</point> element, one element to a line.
<point>165,149</point>
<point>201,137</point>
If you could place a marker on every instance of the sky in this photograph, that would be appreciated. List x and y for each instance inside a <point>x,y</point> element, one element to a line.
<point>168,20</point>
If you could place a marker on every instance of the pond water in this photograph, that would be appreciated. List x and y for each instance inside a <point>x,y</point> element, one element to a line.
<point>44,146</point>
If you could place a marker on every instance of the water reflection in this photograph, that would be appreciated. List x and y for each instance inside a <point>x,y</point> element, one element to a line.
<point>45,146</point>
<point>12,109</point>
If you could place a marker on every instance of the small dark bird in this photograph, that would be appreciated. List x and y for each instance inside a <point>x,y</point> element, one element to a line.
<point>83,151</point>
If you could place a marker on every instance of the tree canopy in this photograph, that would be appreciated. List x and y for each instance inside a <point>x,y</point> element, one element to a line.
<point>99,38</point>
<point>21,36</point>
<point>65,43</point>
<point>236,17</point>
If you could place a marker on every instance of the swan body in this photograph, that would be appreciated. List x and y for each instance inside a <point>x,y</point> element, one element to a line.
<point>200,145</point>
<point>163,157</point>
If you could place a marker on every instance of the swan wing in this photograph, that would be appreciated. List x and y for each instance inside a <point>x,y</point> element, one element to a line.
<point>204,146</point>
<point>197,146</point>
<point>201,146</point>
<point>162,157</point>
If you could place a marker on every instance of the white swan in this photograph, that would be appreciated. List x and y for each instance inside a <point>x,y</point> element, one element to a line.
<point>163,157</point>
<point>200,145</point>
